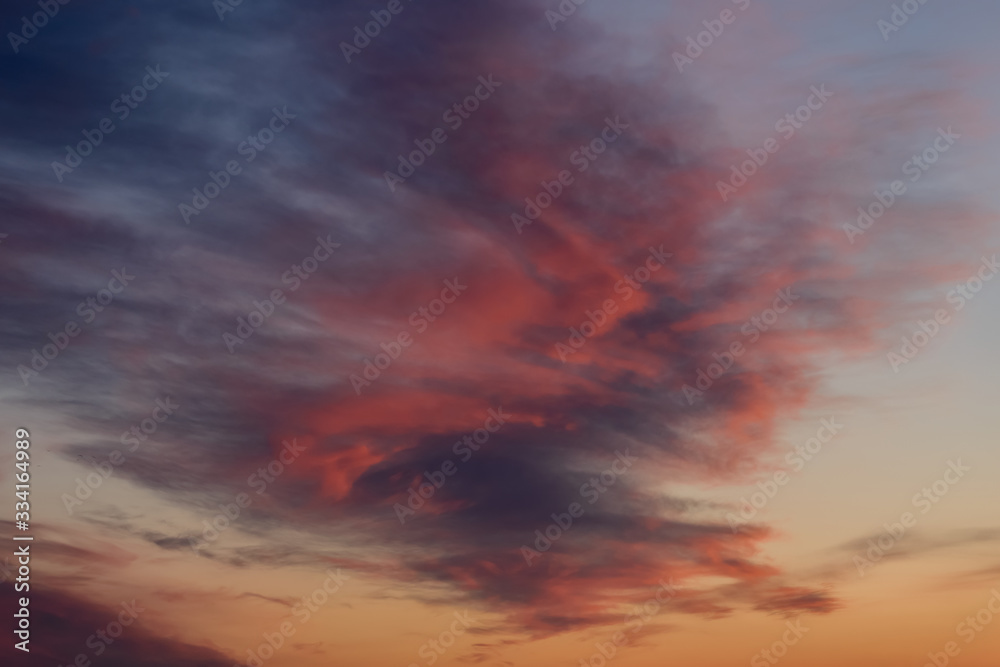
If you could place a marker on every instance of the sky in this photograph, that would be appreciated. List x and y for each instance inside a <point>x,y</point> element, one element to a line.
<point>505,333</point>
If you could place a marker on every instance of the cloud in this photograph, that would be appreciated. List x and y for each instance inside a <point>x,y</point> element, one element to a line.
<point>653,189</point>
<point>64,627</point>
<point>917,544</point>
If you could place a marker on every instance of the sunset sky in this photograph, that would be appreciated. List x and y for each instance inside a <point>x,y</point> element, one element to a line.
<point>522,332</point>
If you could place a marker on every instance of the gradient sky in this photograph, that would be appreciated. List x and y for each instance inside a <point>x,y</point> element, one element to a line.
<point>503,342</point>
